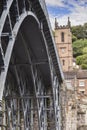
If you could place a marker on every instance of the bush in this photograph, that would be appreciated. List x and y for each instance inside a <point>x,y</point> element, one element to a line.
<point>84,66</point>
<point>79,60</point>
<point>78,47</point>
<point>82,61</point>
<point>74,38</point>
<point>85,50</point>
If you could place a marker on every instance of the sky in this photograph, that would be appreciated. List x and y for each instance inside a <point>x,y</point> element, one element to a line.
<point>62,9</point>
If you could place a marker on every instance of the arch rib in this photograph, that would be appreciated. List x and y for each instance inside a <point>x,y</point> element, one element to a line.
<point>40,89</point>
<point>10,48</point>
<point>54,85</point>
<point>4,15</point>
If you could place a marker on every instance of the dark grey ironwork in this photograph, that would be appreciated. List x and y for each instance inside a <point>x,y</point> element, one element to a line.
<point>30,71</point>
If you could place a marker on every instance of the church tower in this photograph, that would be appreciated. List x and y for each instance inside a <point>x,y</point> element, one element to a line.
<point>63,39</point>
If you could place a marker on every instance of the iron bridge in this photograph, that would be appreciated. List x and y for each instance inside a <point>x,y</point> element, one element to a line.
<point>30,71</point>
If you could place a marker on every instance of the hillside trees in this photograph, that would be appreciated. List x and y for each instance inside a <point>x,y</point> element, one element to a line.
<point>80,31</point>
<point>79,39</point>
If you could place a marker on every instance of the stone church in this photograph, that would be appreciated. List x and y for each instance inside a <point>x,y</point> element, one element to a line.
<point>63,39</point>
<point>75,102</point>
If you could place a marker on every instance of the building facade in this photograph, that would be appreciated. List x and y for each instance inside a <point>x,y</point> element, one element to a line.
<point>76,114</point>
<point>63,39</point>
<point>75,100</point>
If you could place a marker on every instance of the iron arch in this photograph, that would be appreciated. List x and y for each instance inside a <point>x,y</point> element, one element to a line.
<point>29,83</point>
<point>27,73</point>
<point>11,45</point>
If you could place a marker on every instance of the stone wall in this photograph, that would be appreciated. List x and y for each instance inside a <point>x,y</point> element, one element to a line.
<point>74,113</point>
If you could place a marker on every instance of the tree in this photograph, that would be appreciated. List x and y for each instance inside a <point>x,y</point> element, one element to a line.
<point>84,66</point>
<point>82,61</point>
<point>85,30</point>
<point>85,50</point>
<point>74,38</point>
<point>79,60</point>
<point>79,39</point>
<point>78,46</point>
<point>78,31</point>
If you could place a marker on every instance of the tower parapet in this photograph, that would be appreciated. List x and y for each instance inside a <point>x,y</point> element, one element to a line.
<point>64,26</point>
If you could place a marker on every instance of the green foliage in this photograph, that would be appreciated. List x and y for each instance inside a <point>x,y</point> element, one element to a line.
<point>74,38</point>
<point>85,30</point>
<point>79,60</point>
<point>79,39</point>
<point>78,47</point>
<point>82,61</point>
<point>84,66</point>
<point>80,31</point>
<point>85,50</point>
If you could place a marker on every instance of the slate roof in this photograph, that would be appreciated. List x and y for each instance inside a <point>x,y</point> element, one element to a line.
<point>69,74</point>
<point>80,74</point>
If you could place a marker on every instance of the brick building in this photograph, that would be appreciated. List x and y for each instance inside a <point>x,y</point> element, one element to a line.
<point>76,81</point>
<point>76,100</point>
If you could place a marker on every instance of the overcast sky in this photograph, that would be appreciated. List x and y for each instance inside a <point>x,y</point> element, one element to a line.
<point>62,9</point>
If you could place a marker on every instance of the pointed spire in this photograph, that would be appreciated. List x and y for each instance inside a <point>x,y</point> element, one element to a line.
<point>56,23</point>
<point>69,23</point>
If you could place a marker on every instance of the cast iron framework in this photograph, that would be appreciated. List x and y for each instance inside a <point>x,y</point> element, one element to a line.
<point>28,99</point>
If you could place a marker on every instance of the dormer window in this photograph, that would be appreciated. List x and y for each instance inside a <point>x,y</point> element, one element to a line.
<point>62,37</point>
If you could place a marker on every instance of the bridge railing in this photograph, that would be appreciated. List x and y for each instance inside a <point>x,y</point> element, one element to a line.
<point>59,69</point>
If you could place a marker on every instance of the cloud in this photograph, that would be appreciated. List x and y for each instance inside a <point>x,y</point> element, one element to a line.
<point>54,3</point>
<point>77,11</point>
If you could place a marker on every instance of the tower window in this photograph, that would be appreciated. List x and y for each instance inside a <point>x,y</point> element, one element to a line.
<point>62,37</point>
<point>63,62</point>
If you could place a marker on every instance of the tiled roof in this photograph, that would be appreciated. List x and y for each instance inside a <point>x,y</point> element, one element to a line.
<point>69,74</point>
<point>80,74</point>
